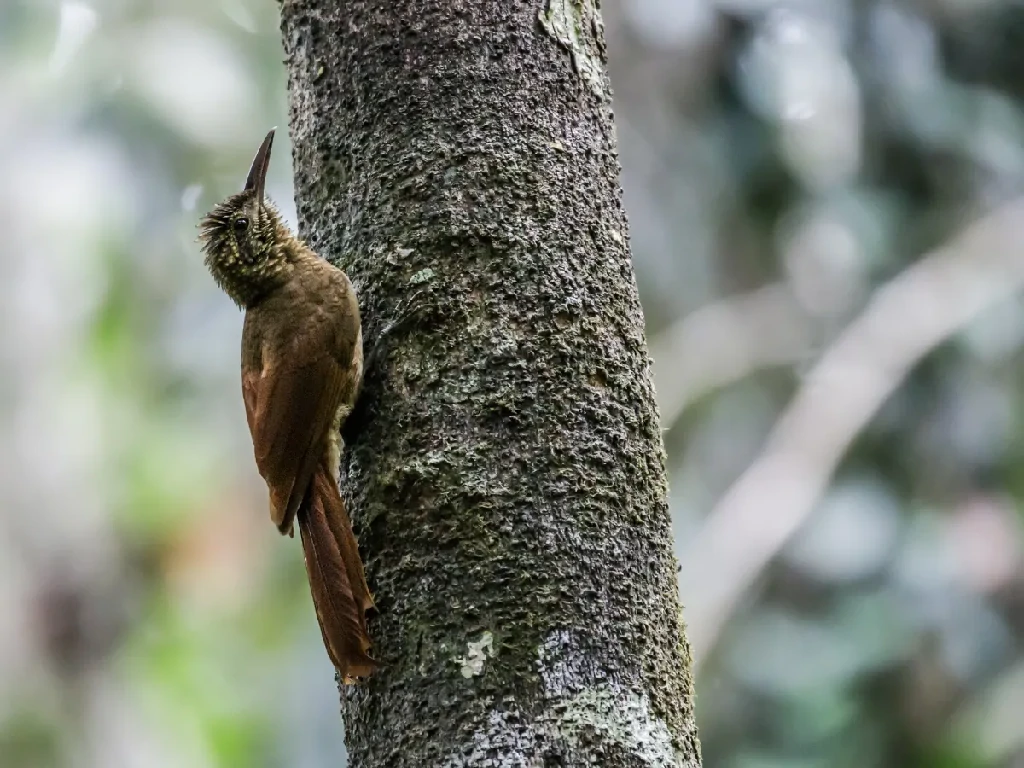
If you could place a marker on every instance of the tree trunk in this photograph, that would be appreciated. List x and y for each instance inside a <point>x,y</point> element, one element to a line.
<point>457,158</point>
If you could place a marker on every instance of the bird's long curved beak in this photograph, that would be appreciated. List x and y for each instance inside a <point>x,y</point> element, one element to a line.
<point>257,178</point>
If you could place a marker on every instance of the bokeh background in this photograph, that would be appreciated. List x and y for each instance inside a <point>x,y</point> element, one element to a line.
<point>830,252</point>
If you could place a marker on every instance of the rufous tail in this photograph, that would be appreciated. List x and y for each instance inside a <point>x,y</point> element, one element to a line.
<point>336,579</point>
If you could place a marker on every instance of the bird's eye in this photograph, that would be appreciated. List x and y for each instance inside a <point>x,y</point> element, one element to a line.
<point>241,224</point>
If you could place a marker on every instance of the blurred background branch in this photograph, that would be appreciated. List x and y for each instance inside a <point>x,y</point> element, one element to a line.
<point>725,342</point>
<point>905,319</point>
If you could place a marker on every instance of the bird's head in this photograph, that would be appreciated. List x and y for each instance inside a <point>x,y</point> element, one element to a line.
<point>245,242</point>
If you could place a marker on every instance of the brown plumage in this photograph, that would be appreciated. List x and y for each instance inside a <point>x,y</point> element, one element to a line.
<point>302,366</point>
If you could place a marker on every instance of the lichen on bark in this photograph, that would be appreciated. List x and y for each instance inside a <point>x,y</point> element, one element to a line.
<point>567,22</point>
<point>508,488</point>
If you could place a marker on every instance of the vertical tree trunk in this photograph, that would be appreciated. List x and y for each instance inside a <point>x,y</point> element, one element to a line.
<point>509,489</point>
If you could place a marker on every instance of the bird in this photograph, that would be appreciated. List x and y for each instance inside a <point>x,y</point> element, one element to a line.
<point>302,370</point>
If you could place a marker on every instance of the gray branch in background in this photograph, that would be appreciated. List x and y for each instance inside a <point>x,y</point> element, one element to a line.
<point>725,342</point>
<point>906,318</point>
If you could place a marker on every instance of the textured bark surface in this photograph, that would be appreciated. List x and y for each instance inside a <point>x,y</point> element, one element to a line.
<point>509,490</point>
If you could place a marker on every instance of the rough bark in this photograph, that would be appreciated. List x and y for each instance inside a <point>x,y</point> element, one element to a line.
<point>458,159</point>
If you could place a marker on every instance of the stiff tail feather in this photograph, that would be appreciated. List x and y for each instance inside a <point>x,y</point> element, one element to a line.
<point>340,593</point>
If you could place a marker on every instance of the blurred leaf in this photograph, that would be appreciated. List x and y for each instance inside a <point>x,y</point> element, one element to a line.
<point>28,740</point>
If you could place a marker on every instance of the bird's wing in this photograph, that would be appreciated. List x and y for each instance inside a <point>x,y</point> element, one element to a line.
<point>290,403</point>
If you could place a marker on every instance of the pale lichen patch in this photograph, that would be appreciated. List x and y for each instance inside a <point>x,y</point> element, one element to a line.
<point>585,713</point>
<point>477,652</point>
<point>567,21</point>
<point>620,717</point>
<point>422,276</point>
<point>589,705</point>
